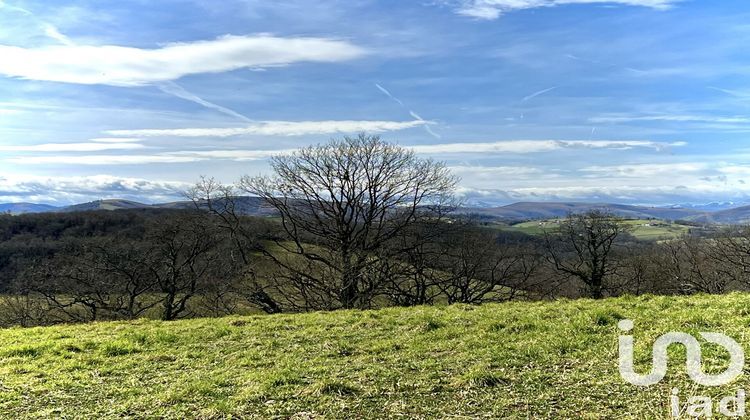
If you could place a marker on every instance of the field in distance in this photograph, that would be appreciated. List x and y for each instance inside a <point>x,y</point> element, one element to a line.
<point>520,359</point>
<point>641,228</point>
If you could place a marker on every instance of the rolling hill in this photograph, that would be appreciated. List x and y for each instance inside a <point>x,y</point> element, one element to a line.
<point>21,208</point>
<point>516,212</point>
<point>542,210</point>
<point>552,359</point>
<point>738,215</point>
<point>114,204</point>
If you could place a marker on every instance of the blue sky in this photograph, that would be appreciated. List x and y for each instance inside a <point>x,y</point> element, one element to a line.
<point>631,101</point>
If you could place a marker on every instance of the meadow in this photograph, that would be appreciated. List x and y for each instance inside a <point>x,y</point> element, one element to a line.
<point>554,359</point>
<point>642,229</point>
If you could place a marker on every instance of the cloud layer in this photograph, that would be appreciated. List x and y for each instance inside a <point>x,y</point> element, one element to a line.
<point>492,9</point>
<point>70,190</point>
<point>277,128</point>
<point>537,146</point>
<point>129,66</point>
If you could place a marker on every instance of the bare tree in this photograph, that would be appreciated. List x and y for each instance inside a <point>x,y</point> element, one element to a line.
<point>223,203</point>
<point>182,259</point>
<point>95,278</point>
<point>696,265</point>
<point>477,269</point>
<point>340,204</point>
<point>583,248</point>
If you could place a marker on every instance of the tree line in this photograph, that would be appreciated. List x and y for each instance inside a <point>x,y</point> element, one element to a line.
<point>359,223</point>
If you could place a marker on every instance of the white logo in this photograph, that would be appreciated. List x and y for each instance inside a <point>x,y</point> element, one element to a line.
<point>693,363</point>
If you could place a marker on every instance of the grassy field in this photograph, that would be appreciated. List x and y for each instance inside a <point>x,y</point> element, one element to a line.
<point>545,359</point>
<point>641,229</point>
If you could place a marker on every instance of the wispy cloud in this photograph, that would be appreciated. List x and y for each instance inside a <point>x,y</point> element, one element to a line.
<point>537,146</point>
<point>186,156</point>
<point>52,32</point>
<point>647,170</point>
<point>72,147</point>
<point>493,9</point>
<point>102,160</point>
<point>277,128</point>
<point>115,140</point>
<point>129,66</point>
<point>180,92</point>
<point>617,118</point>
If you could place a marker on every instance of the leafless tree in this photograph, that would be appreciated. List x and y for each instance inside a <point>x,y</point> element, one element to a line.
<point>223,203</point>
<point>340,204</point>
<point>477,269</point>
<point>583,248</point>
<point>95,278</point>
<point>694,265</point>
<point>182,260</point>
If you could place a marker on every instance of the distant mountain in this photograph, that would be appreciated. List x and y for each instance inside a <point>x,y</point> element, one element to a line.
<point>535,210</point>
<point>20,208</point>
<point>252,206</point>
<point>738,215</point>
<point>255,206</point>
<point>243,205</point>
<point>714,206</point>
<point>114,204</point>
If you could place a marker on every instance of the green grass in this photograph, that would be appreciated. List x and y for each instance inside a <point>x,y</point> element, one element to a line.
<point>542,359</point>
<point>641,229</point>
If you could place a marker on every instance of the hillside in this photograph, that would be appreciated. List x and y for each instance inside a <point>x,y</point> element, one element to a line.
<point>729,216</point>
<point>544,359</point>
<point>114,204</point>
<point>541,210</point>
<point>21,208</point>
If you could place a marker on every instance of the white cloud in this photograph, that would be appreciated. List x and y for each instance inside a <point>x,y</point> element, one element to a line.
<point>277,128</point>
<point>537,146</point>
<point>647,170</point>
<point>188,156</point>
<point>129,66</point>
<point>71,147</point>
<point>492,172</point>
<point>68,190</point>
<point>492,9</point>
<point>115,140</point>
<point>237,155</point>
<point>617,118</point>
<point>102,160</point>
<point>623,194</point>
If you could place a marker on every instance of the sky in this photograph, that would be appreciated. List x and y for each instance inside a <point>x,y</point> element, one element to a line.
<point>626,101</point>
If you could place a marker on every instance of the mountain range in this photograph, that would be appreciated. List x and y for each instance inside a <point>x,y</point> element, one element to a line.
<point>714,213</point>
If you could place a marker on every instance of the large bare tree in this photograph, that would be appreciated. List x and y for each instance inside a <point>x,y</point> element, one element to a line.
<point>340,204</point>
<point>583,247</point>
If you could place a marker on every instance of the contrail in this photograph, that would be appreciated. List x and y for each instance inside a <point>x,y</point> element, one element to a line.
<point>174,89</point>
<point>601,63</point>
<point>4,5</point>
<point>541,92</point>
<point>426,124</point>
<point>50,30</point>
<point>730,92</point>
<point>384,90</point>
<point>412,113</point>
